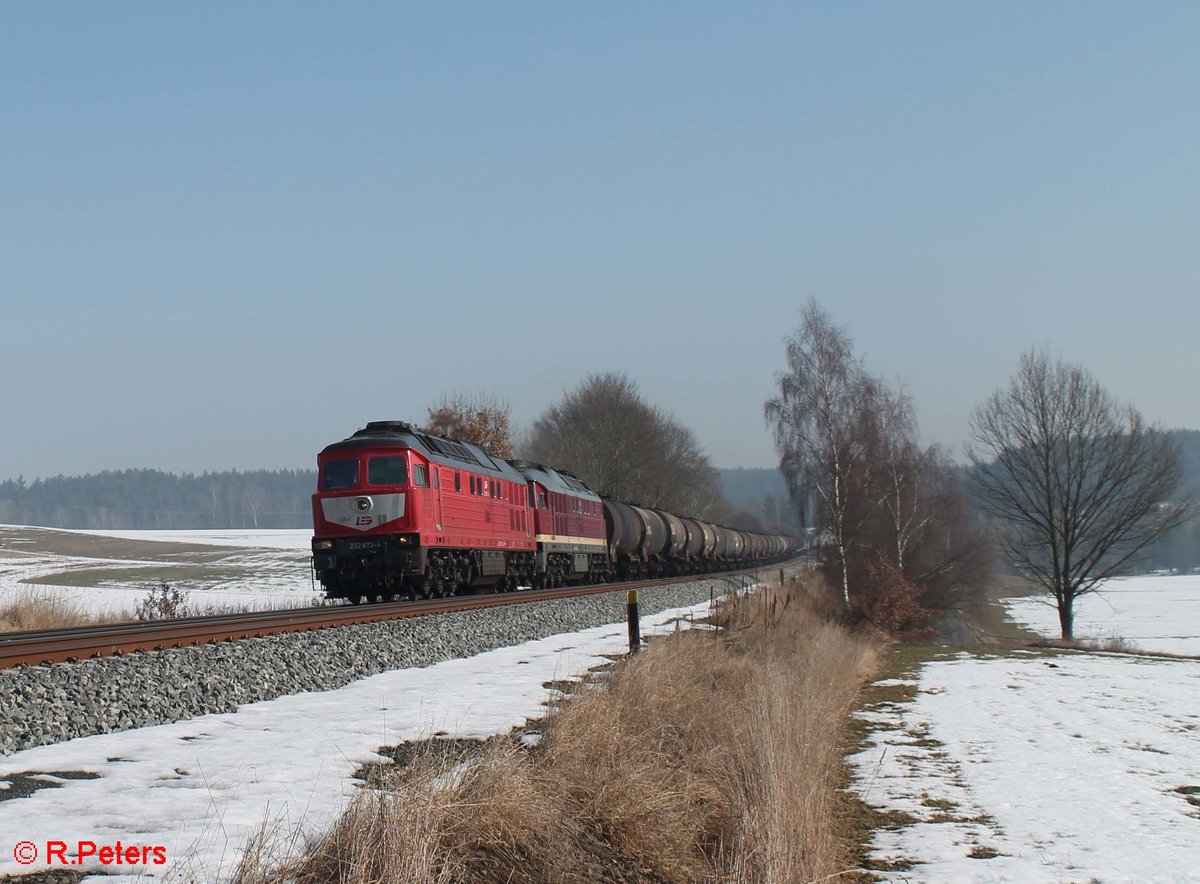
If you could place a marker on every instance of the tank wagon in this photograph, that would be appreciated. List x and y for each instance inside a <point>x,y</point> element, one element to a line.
<point>401,513</point>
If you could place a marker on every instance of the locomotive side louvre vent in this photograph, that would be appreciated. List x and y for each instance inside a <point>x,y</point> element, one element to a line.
<point>574,482</point>
<point>449,448</point>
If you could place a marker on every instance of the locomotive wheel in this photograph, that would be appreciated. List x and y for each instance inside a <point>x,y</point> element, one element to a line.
<point>418,588</point>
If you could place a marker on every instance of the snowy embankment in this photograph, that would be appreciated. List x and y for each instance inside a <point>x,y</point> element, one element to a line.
<point>201,788</point>
<point>1046,766</point>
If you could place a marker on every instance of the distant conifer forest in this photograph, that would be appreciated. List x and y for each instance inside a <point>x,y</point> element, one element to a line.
<point>136,499</point>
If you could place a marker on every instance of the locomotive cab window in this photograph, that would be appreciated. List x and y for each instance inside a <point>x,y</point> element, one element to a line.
<point>387,471</point>
<point>341,473</point>
<point>420,476</point>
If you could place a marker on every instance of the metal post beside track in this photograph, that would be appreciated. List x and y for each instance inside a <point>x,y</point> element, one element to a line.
<point>635,631</point>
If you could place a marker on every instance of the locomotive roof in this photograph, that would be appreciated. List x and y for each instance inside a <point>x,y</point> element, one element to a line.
<point>559,481</point>
<point>438,449</point>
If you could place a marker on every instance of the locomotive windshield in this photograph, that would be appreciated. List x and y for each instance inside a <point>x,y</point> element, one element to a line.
<point>341,473</point>
<point>387,471</point>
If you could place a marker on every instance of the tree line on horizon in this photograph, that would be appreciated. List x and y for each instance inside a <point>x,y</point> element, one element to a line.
<point>149,499</point>
<point>142,499</point>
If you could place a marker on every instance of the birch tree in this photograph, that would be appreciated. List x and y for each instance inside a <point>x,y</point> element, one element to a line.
<point>825,422</point>
<point>899,464</point>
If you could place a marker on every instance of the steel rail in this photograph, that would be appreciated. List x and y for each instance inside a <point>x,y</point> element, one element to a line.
<point>33,648</point>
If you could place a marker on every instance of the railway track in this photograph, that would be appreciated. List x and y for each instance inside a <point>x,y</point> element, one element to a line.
<point>78,643</point>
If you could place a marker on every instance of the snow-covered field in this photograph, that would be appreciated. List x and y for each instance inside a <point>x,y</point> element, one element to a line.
<point>217,569</point>
<point>1048,766</point>
<point>260,538</point>
<point>1035,767</point>
<point>202,787</point>
<point>1156,613</point>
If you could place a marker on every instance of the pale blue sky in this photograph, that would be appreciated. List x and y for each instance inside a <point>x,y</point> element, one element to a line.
<point>231,233</point>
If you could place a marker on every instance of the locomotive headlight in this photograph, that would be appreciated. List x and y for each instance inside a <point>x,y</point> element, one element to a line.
<point>322,544</point>
<point>362,504</point>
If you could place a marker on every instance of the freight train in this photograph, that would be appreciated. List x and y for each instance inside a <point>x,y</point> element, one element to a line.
<point>402,513</point>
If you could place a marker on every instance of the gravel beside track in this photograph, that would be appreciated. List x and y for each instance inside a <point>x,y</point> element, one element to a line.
<point>54,703</point>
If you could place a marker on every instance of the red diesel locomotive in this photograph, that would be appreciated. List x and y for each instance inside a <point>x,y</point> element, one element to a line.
<point>568,519</point>
<point>398,512</point>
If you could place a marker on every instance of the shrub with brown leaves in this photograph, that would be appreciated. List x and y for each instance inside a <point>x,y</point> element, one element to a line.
<point>893,605</point>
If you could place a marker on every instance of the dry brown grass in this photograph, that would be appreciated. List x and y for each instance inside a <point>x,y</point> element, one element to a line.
<point>1113,644</point>
<point>705,757</point>
<point>36,609</point>
<point>43,610</point>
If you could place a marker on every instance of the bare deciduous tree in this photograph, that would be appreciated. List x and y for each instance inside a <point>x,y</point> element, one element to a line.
<point>478,418</point>
<point>947,551</point>
<point>824,423</point>
<point>898,462</point>
<point>1078,481</point>
<point>608,435</point>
